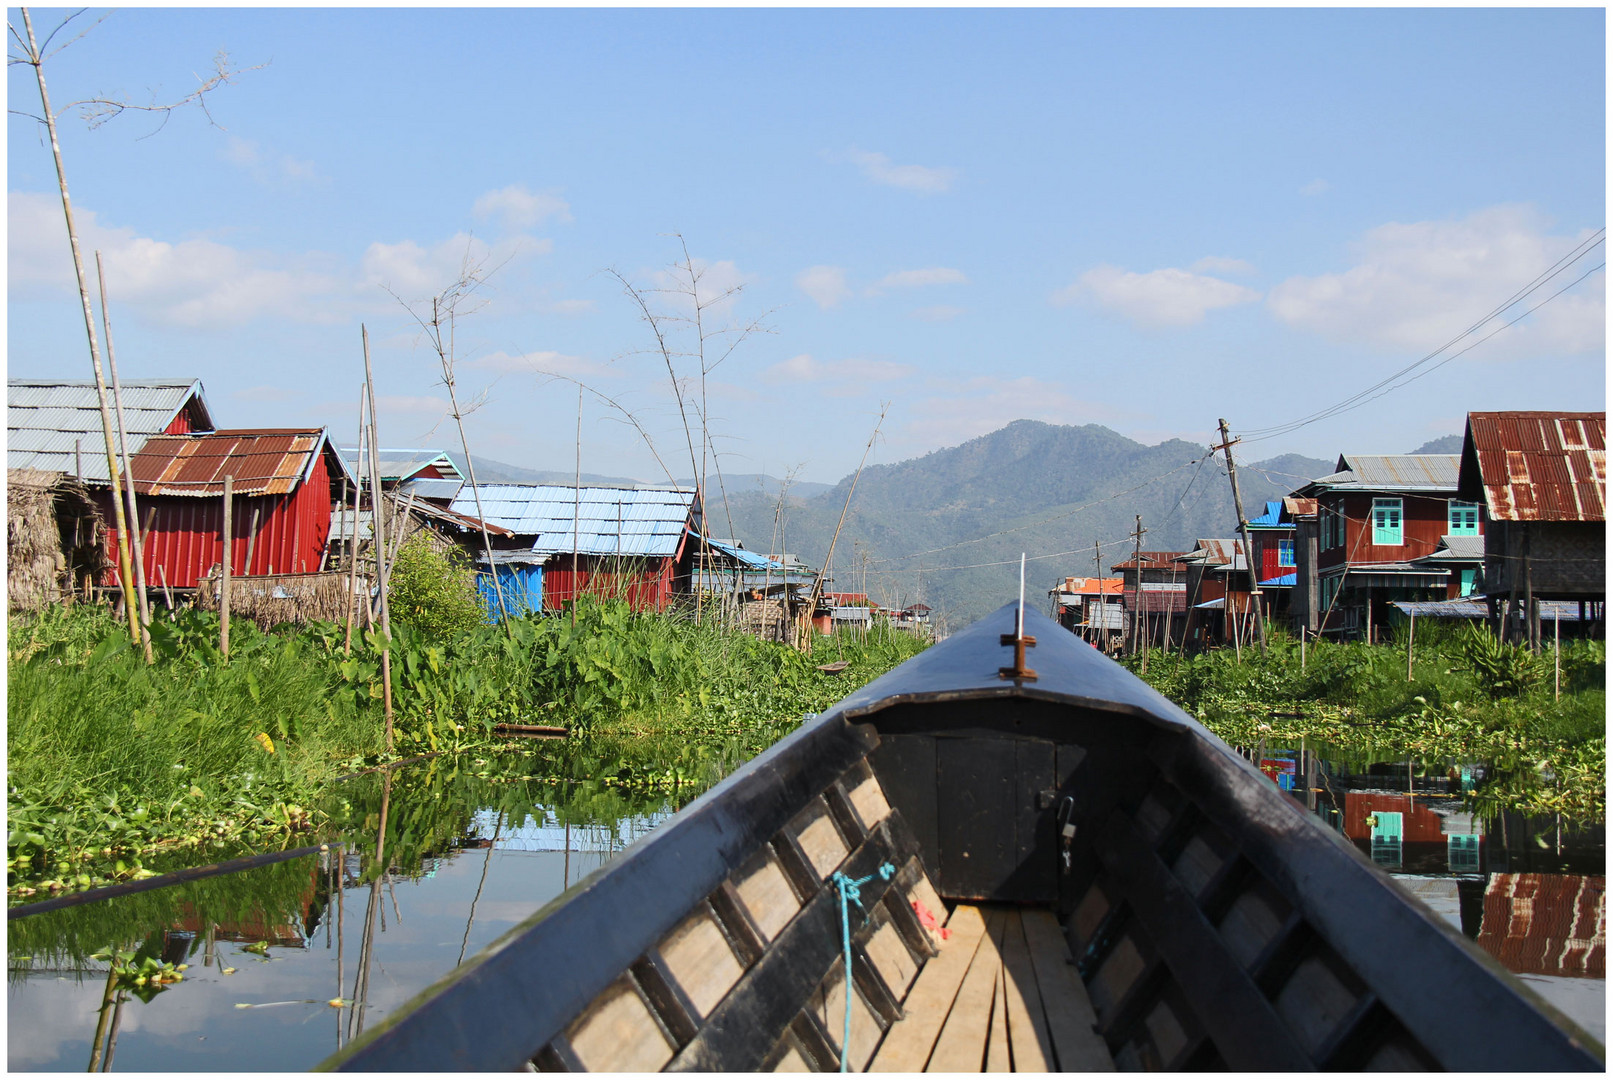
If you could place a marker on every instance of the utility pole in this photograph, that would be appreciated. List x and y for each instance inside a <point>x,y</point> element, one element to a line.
<point>1136,597</point>
<point>1103,610</point>
<point>1227,443</point>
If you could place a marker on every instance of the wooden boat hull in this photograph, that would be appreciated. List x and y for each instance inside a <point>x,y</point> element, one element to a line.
<point>1209,921</point>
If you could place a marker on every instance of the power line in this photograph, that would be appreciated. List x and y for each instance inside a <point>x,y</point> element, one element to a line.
<point>1393,381</point>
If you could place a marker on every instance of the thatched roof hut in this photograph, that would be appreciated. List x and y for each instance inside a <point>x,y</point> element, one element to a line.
<point>55,538</point>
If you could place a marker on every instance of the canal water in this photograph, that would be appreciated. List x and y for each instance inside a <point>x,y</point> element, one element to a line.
<point>287,963</point>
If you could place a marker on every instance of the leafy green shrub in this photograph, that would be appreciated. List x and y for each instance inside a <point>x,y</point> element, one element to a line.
<point>1503,670</point>
<point>434,590</point>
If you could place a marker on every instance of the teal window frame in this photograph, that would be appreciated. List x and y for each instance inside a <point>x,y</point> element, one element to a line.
<point>1461,518</point>
<point>1388,522</point>
<point>1462,852</point>
<point>1285,553</point>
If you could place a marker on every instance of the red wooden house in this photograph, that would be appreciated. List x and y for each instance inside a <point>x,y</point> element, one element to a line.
<point>283,482</point>
<point>1376,515</point>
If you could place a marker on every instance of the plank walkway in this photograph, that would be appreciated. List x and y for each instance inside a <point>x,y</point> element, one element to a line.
<point>1000,997</point>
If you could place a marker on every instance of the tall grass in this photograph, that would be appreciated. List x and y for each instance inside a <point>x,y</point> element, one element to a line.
<point>115,767</point>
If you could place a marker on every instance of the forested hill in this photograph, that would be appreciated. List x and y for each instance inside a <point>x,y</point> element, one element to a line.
<point>948,528</point>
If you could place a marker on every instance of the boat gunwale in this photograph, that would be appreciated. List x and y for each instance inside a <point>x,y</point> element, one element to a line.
<point>455,1023</point>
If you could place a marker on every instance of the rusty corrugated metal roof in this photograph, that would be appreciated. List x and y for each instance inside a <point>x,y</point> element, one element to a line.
<point>1152,560</point>
<point>1296,507</point>
<point>1537,466</point>
<point>261,461</point>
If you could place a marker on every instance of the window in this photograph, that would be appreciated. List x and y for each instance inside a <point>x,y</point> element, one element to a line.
<point>1386,522</point>
<point>1462,852</point>
<point>1285,553</point>
<point>1462,518</point>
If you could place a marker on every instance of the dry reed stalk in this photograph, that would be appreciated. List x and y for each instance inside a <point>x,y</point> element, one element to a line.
<point>44,555</point>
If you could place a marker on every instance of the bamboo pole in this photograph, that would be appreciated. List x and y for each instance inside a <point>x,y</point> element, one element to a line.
<point>817,584</point>
<point>251,543</point>
<point>167,593</point>
<point>1557,655</point>
<point>378,532</point>
<point>352,547</point>
<point>1411,635</point>
<point>224,575</point>
<point>100,1024</point>
<point>125,578</point>
<point>128,473</point>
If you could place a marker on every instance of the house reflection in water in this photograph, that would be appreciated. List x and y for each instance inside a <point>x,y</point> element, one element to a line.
<point>1414,833</point>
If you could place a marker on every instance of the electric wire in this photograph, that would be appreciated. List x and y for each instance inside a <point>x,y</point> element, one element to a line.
<point>1394,380</point>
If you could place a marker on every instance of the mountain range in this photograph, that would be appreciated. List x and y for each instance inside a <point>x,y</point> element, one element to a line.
<point>948,528</point>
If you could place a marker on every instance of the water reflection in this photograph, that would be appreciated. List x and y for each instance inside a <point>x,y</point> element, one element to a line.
<point>1529,890</point>
<point>444,857</point>
<point>440,859</point>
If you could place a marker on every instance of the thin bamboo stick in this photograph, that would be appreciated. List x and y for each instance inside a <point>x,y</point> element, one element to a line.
<point>128,475</point>
<point>224,579</point>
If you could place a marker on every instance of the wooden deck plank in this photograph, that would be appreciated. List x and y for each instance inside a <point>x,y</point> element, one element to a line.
<point>1028,1037</point>
<point>997,1054</point>
<point>907,1045</point>
<point>1069,1013</point>
<point>961,1046</point>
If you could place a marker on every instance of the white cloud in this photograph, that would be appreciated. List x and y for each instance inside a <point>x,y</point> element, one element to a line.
<point>1315,187</point>
<point>1416,286</point>
<point>938,313</point>
<point>915,279</point>
<point>878,168</point>
<point>1221,264</point>
<point>192,283</point>
<point>265,166</point>
<point>200,282</point>
<point>517,208</point>
<point>417,273</point>
<point>1168,297</point>
<point>719,284</point>
<point>542,362</point>
<point>572,307</point>
<point>966,408</point>
<point>805,368</point>
<point>826,285</point>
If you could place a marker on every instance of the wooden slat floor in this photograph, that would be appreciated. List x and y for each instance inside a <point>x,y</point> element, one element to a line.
<point>1000,997</point>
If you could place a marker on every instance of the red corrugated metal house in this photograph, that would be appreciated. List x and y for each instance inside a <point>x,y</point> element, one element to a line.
<point>283,485</point>
<point>1541,478</point>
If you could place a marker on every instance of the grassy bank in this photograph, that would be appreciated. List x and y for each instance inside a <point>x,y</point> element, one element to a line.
<point>1468,700</point>
<point>117,769</point>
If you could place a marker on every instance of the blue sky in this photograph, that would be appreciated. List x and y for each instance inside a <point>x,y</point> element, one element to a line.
<point>1144,219</point>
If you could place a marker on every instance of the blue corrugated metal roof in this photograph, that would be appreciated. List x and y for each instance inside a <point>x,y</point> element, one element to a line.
<point>749,559</point>
<point>647,522</point>
<point>1281,580</point>
<point>1271,518</point>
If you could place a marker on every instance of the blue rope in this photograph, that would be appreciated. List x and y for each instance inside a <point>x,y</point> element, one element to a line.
<point>851,890</point>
